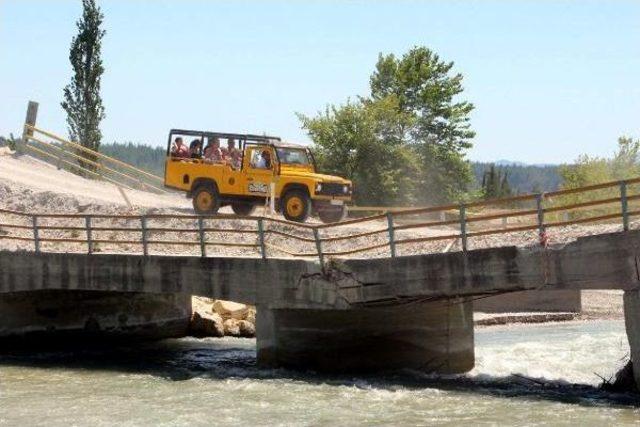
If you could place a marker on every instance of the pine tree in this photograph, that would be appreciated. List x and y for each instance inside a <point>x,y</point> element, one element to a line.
<point>82,101</point>
<point>495,183</point>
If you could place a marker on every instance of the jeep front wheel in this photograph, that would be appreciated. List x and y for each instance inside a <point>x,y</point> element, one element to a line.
<point>331,215</point>
<point>206,200</point>
<point>296,206</point>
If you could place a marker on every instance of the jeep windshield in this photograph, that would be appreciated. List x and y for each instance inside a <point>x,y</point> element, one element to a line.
<point>293,156</point>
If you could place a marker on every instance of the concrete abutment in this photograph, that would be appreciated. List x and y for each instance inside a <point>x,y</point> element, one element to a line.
<point>434,336</point>
<point>632,325</point>
<point>48,316</point>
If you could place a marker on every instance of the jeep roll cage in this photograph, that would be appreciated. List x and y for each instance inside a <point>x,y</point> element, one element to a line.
<point>242,138</point>
<point>243,141</point>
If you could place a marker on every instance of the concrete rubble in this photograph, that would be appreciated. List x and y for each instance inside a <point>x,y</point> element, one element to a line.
<point>218,318</point>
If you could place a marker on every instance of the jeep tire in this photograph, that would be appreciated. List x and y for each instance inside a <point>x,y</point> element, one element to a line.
<point>296,205</point>
<point>206,199</point>
<point>243,209</point>
<point>335,214</point>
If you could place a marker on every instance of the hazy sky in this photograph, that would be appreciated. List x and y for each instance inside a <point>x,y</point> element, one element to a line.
<point>550,79</point>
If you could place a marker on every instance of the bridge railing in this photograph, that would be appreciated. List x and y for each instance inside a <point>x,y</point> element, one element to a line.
<point>529,219</point>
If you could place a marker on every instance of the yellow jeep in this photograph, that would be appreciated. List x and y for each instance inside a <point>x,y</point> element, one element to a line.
<point>262,167</point>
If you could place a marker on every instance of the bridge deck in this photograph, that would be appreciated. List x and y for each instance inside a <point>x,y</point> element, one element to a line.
<point>607,261</point>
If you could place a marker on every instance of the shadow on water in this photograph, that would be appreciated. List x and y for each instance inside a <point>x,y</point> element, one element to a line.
<point>181,360</point>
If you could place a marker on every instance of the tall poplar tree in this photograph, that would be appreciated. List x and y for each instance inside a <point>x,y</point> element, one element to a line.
<point>82,101</point>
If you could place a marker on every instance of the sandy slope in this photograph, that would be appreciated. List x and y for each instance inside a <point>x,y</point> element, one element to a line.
<point>25,171</point>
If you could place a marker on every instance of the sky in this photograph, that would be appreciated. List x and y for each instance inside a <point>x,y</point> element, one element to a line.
<point>550,79</point>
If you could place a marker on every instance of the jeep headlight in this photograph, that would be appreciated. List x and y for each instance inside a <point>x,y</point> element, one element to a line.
<point>318,187</point>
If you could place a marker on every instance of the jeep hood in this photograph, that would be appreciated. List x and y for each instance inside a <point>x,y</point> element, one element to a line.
<point>305,173</point>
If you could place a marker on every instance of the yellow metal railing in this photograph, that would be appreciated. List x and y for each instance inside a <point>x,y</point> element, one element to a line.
<point>103,167</point>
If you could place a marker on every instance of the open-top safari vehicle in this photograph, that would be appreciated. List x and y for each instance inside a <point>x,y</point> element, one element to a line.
<point>262,167</point>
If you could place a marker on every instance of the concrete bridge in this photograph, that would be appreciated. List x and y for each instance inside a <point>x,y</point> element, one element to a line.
<point>406,308</point>
<point>353,314</point>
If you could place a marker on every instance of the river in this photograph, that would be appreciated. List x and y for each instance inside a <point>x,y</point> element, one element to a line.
<point>215,382</point>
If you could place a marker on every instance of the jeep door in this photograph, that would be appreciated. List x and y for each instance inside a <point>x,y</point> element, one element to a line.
<point>257,176</point>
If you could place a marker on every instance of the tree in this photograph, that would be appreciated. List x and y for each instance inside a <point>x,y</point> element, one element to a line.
<point>404,143</point>
<point>362,140</point>
<point>82,101</point>
<point>588,170</point>
<point>495,184</point>
<point>440,132</point>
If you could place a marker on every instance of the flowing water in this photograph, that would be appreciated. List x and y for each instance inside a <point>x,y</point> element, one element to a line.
<point>524,375</point>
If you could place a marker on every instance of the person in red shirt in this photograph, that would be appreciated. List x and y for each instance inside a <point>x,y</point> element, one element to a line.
<point>179,149</point>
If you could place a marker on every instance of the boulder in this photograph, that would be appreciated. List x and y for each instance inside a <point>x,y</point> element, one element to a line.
<point>230,310</point>
<point>232,327</point>
<point>251,315</point>
<point>207,325</point>
<point>202,304</point>
<point>247,329</point>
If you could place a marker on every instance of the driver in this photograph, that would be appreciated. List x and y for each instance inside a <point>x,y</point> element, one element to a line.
<point>265,160</point>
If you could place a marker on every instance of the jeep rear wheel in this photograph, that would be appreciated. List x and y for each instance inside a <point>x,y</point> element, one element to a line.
<point>332,215</point>
<point>243,209</point>
<point>296,206</point>
<point>206,200</point>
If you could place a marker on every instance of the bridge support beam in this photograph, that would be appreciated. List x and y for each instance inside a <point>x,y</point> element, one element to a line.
<point>632,324</point>
<point>426,336</point>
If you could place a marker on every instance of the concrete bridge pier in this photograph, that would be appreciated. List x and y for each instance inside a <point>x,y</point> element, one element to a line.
<point>632,325</point>
<point>434,336</point>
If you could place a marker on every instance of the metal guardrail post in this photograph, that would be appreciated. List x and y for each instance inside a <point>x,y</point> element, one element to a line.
<point>625,205</point>
<point>263,252</point>
<point>203,244</point>
<point>392,234</point>
<point>539,200</point>
<point>463,227</point>
<point>316,236</point>
<point>36,236</point>
<point>32,115</point>
<point>87,225</point>
<point>143,223</point>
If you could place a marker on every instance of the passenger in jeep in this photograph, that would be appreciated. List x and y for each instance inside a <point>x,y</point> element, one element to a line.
<point>234,156</point>
<point>212,152</point>
<point>195,148</point>
<point>179,149</point>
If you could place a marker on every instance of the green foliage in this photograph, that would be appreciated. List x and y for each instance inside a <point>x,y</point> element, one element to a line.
<point>82,101</point>
<point>523,178</point>
<point>625,164</point>
<point>440,131</point>
<point>495,184</point>
<point>587,170</point>
<point>405,143</point>
<point>362,140</point>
